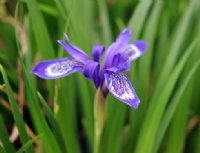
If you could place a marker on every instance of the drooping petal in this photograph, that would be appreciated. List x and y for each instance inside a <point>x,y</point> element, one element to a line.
<point>135,50</point>
<point>74,51</point>
<point>97,51</point>
<point>91,71</point>
<point>120,86</point>
<point>53,69</point>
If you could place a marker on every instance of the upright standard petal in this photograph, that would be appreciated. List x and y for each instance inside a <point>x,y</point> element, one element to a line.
<point>135,50</point>
<point>124,37</point>
<point>122,41</point>
<point>91,71</point>
<point>97,51</point>
<point>120,86</point>
<point>53,69</point>
<point>74,51</point>
<point>121,63</point>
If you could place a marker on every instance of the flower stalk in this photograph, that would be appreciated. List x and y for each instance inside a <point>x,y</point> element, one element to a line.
<point>99,118</point>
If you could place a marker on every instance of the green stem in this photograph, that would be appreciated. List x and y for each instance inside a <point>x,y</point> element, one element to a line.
<point>99,118</point>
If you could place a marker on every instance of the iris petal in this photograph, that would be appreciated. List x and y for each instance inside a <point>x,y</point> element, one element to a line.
<point>122,41</point>
<point>74,51</point>
<point>97,51</point>
<point>91,71</point>
<point>53,69</point>
<point>135,50</point>
<point>124,37</point>
<point>120,86</point>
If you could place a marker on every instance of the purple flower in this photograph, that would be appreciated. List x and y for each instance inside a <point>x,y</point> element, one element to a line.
<point>117,59</point>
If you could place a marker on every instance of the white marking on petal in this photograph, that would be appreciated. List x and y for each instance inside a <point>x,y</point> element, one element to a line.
<point>132,51</point>
<point>119,86</point>
<point>60,68</point>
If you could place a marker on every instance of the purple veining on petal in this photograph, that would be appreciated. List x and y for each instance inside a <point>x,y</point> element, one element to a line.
<point>53,69</point>
<point>121,62</point>
<point>91,71</point>
<point>97,51</point>
<point>120,86</point>
<point>74,51</point>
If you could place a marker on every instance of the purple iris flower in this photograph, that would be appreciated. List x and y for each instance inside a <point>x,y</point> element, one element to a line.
<point>117,58</point>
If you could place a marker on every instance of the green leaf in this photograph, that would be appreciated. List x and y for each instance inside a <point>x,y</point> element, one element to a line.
<point>40,30</point>
<point>4,137</point>
<point>66,114</point>
<point>138,18</point>
<point>16,113</point>
<point>53,123</point>
<point>158,104</point>
<point>183,88</point>
<point>48,140</point>
<point>104,17</point>
<point>28,144</point>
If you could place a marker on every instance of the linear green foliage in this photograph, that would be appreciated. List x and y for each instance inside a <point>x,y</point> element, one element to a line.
<point>28,144</point>
<point>40,30</point>
<point>116,113</point>
<point>2,150</point>
<point>175,45</point>
<point>4,137</point>
<point>87,106</point>
<point>173,106</point>
<point>16,113</point>
<point>145,62</point>
<point>176,136</point>
<point>106,29</point>
<point>197,147</point>
<point>53,123</point>
<point>144,70</point>
<point>48,140</point>
<point>66,114</point>
<point>155,111</point>
<point>138,18</point>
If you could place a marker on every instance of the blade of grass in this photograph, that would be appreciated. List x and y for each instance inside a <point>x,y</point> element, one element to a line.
<point>2,150</point>
<point>173,106</point>
<point>197,146</point>
<point>176,43</point>
<point>8,146</point>
<point>87,108</point>
<point>16,113</point>
<point>53,123</point>
<point>176,136</point>
<point>28,144</point>
<point>144,71</point>
<point>112,135</point>
<point>158,103</point>
<point>145,62</point>
<point>104,17</point>
<point>66,114</point>
<point>138,18</point>
<point>48,140</point>
<point>40,30</point>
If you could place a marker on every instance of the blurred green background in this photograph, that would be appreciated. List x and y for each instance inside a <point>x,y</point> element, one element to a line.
<point>56,116</point>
